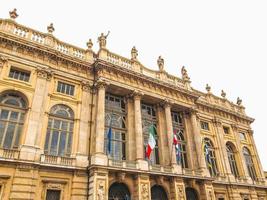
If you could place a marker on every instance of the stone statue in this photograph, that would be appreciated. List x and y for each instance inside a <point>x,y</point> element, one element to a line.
<point>134,53</point>
<point>102,39</point>
<point>185,76</point>
<point>161,63</point>
<point>13,14</point>
<point>50,28</point>
<point>223,94</point>
<point>208,88</point>
<point>89,44</point>
<point>239,101</point>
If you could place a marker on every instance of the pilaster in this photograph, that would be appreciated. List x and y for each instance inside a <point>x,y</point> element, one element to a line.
<point>142,187</point>
<point>177,189</point>
<point>83,137</point>
<point>98,185</point>
<point>30,149</point>
<point>198,143</point>
<point>99,157</point>
<point>222,149</point>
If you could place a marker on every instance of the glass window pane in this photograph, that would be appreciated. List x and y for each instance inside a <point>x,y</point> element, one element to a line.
<point>14,115</point>
<point>9,135</point>
<point>62,143</point>
<point>2,129</point>
<point>56,124</point>
<point>53,148</point>
<point>4,114</point>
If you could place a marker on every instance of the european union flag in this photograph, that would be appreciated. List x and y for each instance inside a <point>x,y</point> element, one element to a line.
<point>109,136</point>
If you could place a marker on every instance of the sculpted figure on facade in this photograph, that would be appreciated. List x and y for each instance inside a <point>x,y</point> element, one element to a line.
<point>223,94</point>
<point>13,14</point>
<point>100,191</point>
<point>185,76</point>
<point>239,101</point>
<point>89,44</point>
<point>161,63</point>
<point>134,53</point>
<point>102,39</point>
<point>144,191</point>
<point>50,28</point>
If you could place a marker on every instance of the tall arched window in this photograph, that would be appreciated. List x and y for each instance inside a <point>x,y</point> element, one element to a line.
<point>119,191</point>
<point>59,131</point>
<point>158,193</point>
<point>249,163</point>
<point>178,129</point>
<point>232,159</point>
<point>210,157</point>
<point>12,114</point>
<point>149,119</point>
<point>115,116</point>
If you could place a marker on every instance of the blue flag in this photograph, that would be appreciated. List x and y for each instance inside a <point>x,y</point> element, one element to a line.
<point>109,136</point>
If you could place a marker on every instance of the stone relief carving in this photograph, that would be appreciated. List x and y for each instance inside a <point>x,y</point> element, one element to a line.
<point>144,191</point>
<point>44,72</point>
<point>101,190</point>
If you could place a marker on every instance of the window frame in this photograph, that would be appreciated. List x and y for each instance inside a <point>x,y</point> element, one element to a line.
<point>249,163</point>
<point>115,106</point>
<point>20,73</point>
<point>231,154</point>
<point>65,88</point>
<point>213,167</point>
<point>204,125</point>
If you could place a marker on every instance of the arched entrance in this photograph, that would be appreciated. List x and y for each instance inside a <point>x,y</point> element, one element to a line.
<point>191,194</point>
<point>158,193</point>
<point>118,191</point>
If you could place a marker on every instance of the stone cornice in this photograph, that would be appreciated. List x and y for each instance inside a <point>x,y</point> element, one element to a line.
<point>100,64</point>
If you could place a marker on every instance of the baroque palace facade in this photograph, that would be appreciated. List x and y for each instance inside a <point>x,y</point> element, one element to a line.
<point>57,102</point>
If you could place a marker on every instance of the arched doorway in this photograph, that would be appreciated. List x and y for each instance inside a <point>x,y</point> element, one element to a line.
<point>118,191</point>
<point>158,193</point>
<point>191,194</point>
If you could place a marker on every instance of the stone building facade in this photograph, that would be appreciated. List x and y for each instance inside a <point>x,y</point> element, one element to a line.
<point>58,102</point>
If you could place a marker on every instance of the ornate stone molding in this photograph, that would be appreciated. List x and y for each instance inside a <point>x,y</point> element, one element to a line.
<point>45,73</point>
<point>137,95</point>
<point>86,86</point>
<point>3,60</point>
<point>166,103</point>
<point>144,191</point>
<point>101,84</point>
<point>217,121</point>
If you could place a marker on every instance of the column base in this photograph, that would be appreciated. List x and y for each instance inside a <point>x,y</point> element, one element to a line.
<point>142,164</point>
<point>177,169</point>
<point>99,159</point>
<point>81,160</point>
<point>30,153</point>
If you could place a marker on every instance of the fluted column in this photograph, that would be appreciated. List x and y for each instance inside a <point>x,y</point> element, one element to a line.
<point>222,148</point>
<point>198,142</point>
<point>99,157</point>
<point>139,140</point>
<point>100,118</point>
<point>169,127</point>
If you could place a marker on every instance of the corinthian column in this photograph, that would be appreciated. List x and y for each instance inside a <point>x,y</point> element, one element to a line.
<point>169,128</point>
<point>99,156</point>
<point>198,142</point>
<point>138,126</point>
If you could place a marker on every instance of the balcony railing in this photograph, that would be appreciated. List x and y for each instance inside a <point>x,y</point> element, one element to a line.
<point>57,160</point>
<point>9,153</point>
<point>122,164</point>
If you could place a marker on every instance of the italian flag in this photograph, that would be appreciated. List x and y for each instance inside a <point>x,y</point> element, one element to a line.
<point>151,141</point>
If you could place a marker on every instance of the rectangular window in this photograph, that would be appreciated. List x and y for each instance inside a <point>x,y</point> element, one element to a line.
<point>205,126</point>
<point>65,88</point>
<point>242,136</point>
<point>53,195</point>
<point>19,74</point>
<point>226,130</point>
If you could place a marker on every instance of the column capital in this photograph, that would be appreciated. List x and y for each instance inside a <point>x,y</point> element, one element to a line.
<point>137,95</point>
<point>3,60</point>
<point>44,72</point>
<point>217,121</point>
<point>166,103</point>
<point>191,111</point>
<point>102,84</point>
<point>234,127</point>
<point>86,86</point>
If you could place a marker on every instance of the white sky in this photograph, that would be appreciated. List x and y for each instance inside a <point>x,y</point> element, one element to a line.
<point>223,43</point>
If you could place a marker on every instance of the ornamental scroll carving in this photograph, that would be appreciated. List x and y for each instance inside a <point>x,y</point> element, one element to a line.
<point>44,73</point>
<point>86,86</point>
<point>144,191</point>
<point>3,60</point>
<point>101,190</point>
